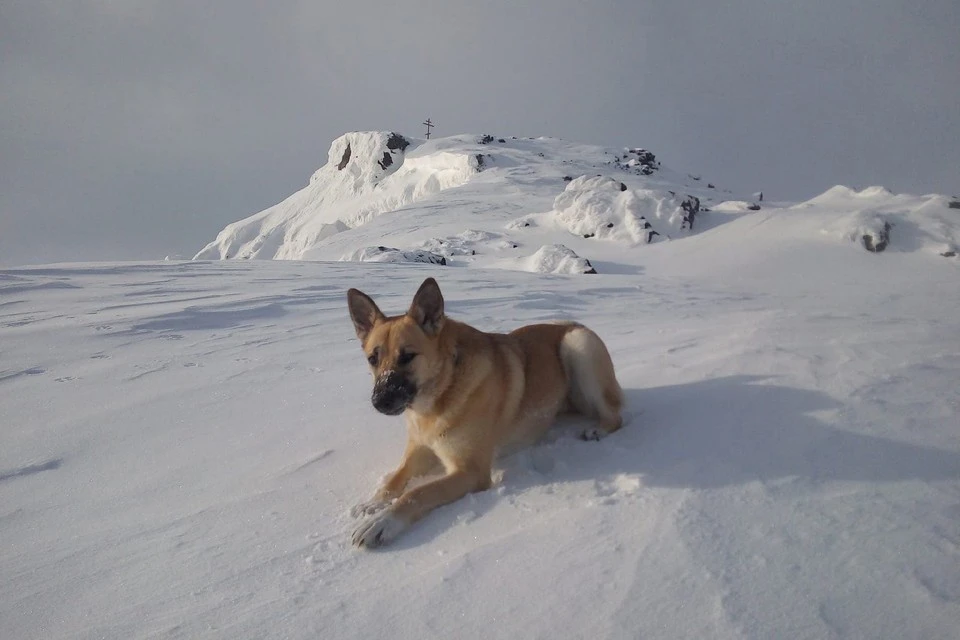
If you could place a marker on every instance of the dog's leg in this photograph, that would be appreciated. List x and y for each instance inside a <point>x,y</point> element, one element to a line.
<point>416,503</point>
<point>417,461</point>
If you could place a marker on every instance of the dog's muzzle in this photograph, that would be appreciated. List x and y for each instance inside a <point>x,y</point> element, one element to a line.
<point>392,393</point>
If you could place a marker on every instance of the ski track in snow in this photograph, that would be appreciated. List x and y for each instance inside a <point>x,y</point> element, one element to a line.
<point>183,442</point>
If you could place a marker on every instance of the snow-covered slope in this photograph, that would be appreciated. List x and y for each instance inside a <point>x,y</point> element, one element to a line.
<point>366,175</point>
<point>516,196</point>
<point>483,201</point>
<point>182,441</point>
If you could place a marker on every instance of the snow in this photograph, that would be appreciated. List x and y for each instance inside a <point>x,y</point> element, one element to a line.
<point>555,258</point>
<point>915,223</point>
<point>735,206</point>
<point>526,193</point>
<point>604,208</point>
<point>183,440</point>
<point>389,254</point>
<point>376,175</point>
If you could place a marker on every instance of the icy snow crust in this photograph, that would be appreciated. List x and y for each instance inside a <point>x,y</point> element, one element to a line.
<point>183,440</point>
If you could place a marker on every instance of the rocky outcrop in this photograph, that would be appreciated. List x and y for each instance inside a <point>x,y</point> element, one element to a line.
<point>877,239</point>
<point>637,160</point>
<point>390,254</point>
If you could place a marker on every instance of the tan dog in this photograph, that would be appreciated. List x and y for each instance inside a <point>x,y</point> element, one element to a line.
<point>468,394</point>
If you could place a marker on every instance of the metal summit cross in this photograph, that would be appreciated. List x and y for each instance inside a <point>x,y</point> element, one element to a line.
<point>429,126</point>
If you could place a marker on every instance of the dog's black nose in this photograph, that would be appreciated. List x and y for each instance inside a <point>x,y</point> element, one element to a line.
<point>392,393</point>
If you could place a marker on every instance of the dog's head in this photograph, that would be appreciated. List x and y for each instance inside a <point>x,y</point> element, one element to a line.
<point>403,351</point>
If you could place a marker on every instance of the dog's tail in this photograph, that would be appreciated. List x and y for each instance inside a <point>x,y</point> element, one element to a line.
<point>594,390</point>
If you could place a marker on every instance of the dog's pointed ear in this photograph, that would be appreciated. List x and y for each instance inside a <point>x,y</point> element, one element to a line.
<point>427,307</point>
<point>363,311</point>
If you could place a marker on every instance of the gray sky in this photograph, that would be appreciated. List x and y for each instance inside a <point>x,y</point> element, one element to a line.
<point>137,128</point>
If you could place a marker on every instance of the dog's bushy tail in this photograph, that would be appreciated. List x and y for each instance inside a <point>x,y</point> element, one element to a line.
<point>594,390</point>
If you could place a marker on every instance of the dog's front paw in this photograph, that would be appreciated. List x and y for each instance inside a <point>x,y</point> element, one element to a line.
<point>378,530</point>
<point>369,507</point>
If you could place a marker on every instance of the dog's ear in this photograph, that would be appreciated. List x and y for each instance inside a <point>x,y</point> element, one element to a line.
<point>427,307</point>
<point>363,311</point>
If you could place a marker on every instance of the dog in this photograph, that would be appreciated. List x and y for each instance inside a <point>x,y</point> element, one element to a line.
<point>467,394</point>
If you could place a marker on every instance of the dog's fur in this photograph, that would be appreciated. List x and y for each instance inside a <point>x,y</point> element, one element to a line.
<point>467,394</point>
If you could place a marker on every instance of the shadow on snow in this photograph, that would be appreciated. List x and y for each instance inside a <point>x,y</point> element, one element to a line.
<point>709,435</point>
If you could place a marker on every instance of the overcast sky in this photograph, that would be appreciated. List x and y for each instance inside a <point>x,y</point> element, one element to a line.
<point>133,129</point>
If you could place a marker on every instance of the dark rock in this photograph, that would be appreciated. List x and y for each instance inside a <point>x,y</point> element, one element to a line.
<point>387,160</point>
<point>418,255</point>
<point>878,244</point>
<point>589,235</point>
<point>567,178</point>
<point>954,204</point>
<point>638,160</point>
<point>623,187</point>
<point>649,229</point>
<point>486,139</point>
<point>397,141</point>
<point>710,185</point>
<point>949,254</point>
<point>609,225</point>
<point>501,140</point>
<point>590,268</point>
<point>479,158</point>
<point>753,206</point>
<point>691,207</point>
<point>345,159</point>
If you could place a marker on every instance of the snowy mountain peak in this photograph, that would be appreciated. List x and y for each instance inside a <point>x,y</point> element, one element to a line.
<point>364,158</point>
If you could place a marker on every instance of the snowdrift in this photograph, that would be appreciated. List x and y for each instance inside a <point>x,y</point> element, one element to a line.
<point>879,220</point>
<point>600,207</point>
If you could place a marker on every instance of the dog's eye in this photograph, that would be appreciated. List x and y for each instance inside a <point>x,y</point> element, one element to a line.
<point>374,357</point>
<point>405,358</point>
